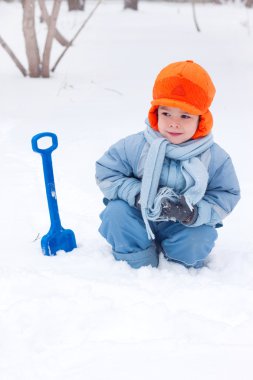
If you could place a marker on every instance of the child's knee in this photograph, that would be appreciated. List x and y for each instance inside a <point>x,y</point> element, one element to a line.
<point>113,218</point>
<point>191,246</point>
<point>118,211</point>
<point>115,209</point>
<point>123,227</point>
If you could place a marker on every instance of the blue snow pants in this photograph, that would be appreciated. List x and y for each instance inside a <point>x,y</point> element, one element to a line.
<point>124,229</point>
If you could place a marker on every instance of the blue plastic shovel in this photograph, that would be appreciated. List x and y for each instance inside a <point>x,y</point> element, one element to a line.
<point>57,238</point>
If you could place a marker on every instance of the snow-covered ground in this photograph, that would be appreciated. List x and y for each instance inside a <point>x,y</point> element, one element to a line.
<point>81,315</point>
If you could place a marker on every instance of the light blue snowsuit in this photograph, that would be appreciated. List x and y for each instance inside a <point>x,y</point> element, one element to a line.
<point>119,173</point>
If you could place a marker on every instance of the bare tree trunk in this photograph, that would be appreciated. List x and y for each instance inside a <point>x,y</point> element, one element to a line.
<point>249,3</point>
<point>76,5</point>
<point>13,56</point>
<point>50,37</point>
<point>31,45</point>
<point>132,4</point>
<point>45,17</point>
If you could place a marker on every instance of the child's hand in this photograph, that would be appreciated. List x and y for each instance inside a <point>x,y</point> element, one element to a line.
<point>180,211</point>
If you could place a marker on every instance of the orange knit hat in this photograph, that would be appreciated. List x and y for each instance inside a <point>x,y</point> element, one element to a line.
<point>185,85</point>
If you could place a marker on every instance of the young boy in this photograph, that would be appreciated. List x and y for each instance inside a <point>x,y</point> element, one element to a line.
<point>169,187</point>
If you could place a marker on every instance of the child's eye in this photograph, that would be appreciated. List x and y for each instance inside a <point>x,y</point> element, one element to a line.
<point>165,114</point>
<point>184,116</point>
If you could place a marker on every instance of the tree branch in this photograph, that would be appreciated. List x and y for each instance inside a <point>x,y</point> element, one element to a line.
<point>13,57</point>
<point>77,33</point>
<point>45,16</point>
<point>194,16</point>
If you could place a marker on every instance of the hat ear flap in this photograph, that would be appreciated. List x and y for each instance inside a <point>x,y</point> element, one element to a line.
<point>205,125</point>
<point>153,117</point>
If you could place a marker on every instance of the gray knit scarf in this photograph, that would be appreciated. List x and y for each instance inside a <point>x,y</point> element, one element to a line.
<point>192,166</point>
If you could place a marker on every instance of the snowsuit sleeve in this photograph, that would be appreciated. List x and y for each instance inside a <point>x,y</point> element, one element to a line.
<point>222,194</point>
<point>115,173</point>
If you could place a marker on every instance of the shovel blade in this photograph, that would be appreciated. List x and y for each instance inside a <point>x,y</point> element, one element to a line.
<point>55,241</point>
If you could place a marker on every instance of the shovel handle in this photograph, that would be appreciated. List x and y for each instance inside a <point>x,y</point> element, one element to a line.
<point>50,149</point>
<point>49,176</point>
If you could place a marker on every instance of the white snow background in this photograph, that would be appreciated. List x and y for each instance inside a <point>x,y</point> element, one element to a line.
<point>82,315</point>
